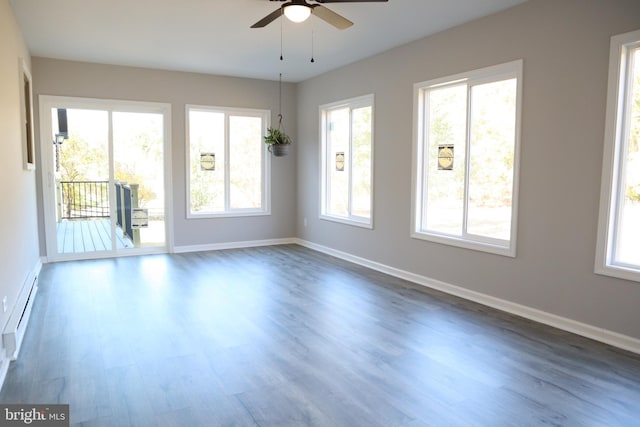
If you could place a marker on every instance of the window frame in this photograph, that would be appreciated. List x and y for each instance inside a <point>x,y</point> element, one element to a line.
<point>614,157</point>
<point>496,73</point>
<point>26,117</point>
<point>265,116</point>
<point>351,103</point>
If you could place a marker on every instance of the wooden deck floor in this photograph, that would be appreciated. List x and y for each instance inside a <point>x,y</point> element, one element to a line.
<point>88,236</point>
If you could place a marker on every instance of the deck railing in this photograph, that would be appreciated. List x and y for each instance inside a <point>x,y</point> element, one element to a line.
<point>85,199</point>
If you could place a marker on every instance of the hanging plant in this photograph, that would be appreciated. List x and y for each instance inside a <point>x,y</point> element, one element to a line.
<point>277,140</point>
<point>276,137</point>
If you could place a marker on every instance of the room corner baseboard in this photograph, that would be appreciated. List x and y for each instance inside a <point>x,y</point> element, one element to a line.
<point>589,331</point>
<point>233,245</point>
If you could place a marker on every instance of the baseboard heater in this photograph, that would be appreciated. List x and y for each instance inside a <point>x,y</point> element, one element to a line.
<point>17,324</point>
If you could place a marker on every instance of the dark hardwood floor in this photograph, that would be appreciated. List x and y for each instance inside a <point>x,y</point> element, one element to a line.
<point>285,336</point>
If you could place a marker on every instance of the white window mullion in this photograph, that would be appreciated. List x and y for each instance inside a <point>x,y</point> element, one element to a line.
<point>424,147</point>
<point>330,148</point>
<point>467,163</point>
<point>227,164</point>
<point>619,185</point>
<point>112,178</point>
<point>351,164</point>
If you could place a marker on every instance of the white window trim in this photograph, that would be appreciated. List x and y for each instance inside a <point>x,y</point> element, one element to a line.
<point>513,69</point>
<point>612,156</point>
<point>46,103</point>
<point>351,103</point>
<point>266,159</point>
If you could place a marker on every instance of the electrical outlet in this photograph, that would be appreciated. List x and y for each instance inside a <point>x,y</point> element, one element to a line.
<point>4,304</point>
<point>305,222</point>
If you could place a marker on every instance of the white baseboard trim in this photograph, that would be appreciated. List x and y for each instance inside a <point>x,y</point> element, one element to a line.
<point>16,326</point>
<point>233,245</point>
<point>599,334</point>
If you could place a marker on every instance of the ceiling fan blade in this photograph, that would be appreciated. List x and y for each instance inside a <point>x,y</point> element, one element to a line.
<point>338,21</point>
<point>268,19</point>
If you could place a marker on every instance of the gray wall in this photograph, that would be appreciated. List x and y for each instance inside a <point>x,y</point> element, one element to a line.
<point>66,78</point>
<point>19,254</point>
<point>565,48</point>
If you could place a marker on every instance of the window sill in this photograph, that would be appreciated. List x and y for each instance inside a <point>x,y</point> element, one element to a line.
<point>227,214</point>
<point>508,251</point>
<point>348,221</point>
<point>619,272</point>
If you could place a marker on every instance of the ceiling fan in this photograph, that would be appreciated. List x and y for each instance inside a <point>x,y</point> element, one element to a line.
<point>300,10</point>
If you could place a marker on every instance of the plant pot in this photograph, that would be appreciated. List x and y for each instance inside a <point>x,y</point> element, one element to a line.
<point>279,150</point>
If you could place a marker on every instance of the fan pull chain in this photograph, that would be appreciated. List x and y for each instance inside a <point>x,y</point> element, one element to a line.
<point>312,59</point>
<point>312,33</point>
<point>281,19</point>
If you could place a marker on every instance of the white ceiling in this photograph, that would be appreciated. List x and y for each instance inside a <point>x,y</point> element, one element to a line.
<point>213,36</point>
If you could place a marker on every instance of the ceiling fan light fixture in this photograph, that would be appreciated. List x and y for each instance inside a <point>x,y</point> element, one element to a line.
<point>297,12</point>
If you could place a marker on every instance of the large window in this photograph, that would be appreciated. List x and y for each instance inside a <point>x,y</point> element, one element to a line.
<point>347,161</point>
<point>618,249</point>
<point>466,159</point>
<point>227,162</point>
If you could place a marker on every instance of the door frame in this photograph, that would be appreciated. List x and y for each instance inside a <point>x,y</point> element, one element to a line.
<point>46,103</point>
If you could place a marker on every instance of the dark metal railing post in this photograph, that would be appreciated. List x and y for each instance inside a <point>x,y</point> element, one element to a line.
<point>119,204</point>
<point>127,229</point>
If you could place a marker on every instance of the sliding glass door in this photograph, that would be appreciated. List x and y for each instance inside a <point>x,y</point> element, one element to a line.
<point>139,177</point>
<point>104,177</point>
